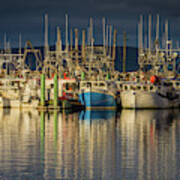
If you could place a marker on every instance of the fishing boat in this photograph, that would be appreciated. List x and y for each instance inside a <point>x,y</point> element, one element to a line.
<point>97,94</point>
<point>157,89</point>
<point>18,93</point>
<point>149,96</point>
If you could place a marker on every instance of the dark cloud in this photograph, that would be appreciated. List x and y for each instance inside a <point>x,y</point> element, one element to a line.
<point>27,16</point>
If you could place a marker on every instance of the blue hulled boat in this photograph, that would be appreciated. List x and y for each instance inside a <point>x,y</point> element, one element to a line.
<point>97,94</point>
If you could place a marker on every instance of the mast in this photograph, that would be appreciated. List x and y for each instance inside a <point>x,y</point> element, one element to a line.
<point>76,45</point>
<point>114,46</point>
<point>20,40</point>
<point>140,34</point>
<point>67,43</point>
<point>83,44</point>
<point>46,48</point>
<point>71,39</point>
<point>59,42</point>
<point>110,35</point>
<point>104,34</point>
<point>107,29</point>
<point>124,51</point>
<point>5,42</point>
<point>91,31</point>
<point>149,33</point>
<point>166,33</point>
<point>157,33</point>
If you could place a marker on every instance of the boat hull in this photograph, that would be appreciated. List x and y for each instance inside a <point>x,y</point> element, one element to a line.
<point>101,100</point>
<point>147,100</point>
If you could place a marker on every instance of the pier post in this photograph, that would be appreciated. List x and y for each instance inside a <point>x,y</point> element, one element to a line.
<point>82,75</point>
<point>55,91</point>
<point>42,90</point>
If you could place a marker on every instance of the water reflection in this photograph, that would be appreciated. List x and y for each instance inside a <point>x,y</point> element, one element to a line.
<point>89,145</point>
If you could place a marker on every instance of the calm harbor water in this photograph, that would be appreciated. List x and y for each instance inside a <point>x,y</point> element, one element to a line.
<point>90,145</point>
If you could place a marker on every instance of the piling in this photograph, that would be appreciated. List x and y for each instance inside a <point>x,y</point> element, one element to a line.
<point>42,90</point>
<point>82,75</point>
<point>55,91</point>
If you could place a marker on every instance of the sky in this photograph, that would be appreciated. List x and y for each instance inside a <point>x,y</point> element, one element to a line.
<point>27,18</point>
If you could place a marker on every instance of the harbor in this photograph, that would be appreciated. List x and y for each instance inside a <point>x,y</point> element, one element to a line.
<point>89,90</point>
<point>82,75</point>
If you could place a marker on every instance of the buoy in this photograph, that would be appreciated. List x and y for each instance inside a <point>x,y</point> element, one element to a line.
<point>154,79</point>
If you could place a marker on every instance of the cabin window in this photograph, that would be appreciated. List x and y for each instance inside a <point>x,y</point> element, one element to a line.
<point>151,88</point>
<point>83,84</point>
<point>138,87</point>
<point>101,84</point>
<point>145,88</point>
<point>177,84</point>
<point>88,84</point>
<point>126,88</point>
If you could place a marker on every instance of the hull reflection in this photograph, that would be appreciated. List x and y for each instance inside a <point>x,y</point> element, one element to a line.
<point>96,115</point>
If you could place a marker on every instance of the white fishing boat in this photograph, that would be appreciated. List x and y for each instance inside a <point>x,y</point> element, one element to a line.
<point>18,93</point>
<point>150,96</point>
